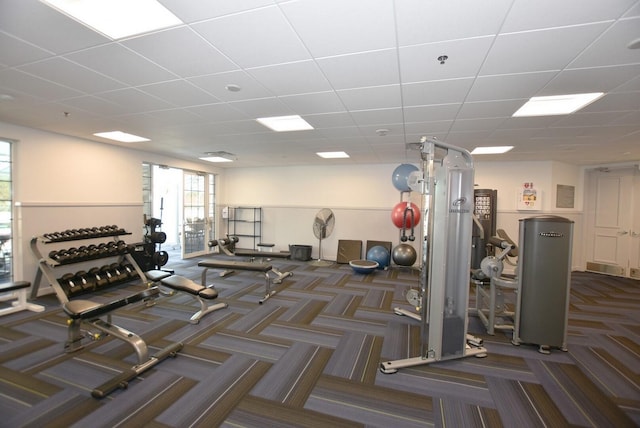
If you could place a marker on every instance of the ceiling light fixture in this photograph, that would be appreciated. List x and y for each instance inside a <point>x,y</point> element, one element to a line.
<point>382,132</point>
<point>233,88</point>
<point>491,150</point>
<point>443,58</point>
<point>556,104</point>
<point>333,155</point>
<point>117,19</point>
<point>220,156</point>
<point>285,123</point>
<point>634,44</point>
<point>123,137</point>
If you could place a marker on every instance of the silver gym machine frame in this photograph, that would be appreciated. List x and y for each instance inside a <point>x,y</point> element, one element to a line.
<point>446,186</point>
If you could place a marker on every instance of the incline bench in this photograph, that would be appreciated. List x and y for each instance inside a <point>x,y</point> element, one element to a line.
<point>264,268</point>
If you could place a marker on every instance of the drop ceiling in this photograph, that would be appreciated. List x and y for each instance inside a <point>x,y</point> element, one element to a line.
<point>364,73</point>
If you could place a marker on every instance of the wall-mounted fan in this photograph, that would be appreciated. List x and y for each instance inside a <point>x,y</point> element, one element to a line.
<point>323,225</point>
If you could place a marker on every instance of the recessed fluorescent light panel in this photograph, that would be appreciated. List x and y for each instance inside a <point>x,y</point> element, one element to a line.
<point>285,123</point>
<point>118,19</point>
<point>556,104</point>
<point>491,150</point>
<point>123,137</point>
<point>333,155</point>
<point>216,159</point>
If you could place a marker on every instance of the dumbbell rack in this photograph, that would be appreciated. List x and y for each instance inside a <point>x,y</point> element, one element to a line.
<point>105,245</point>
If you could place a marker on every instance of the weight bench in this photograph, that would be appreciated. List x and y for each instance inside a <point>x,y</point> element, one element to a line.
<point>17,290</point>
<point>89,312</point>
<point>201,292</point>
<point>252,255</point>
<point>264,268</point>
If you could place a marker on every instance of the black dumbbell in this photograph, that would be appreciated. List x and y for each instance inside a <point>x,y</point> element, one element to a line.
<point>70,284</point>
<point>100,278</point>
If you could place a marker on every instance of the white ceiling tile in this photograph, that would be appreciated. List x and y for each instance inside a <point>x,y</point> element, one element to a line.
<point>40,88</point>
<point>536,122</point>
<point>220,112</point>
<point>167,49</point>
<point>372,97</point>
<point>428,128</point>
<point>509,86</point>
<point>291,78</point>
<point>264,107</point>
<point>197,10</point>
<point>599,79</point>
<point>425,21</point>
<point>120,63</point>
<point>179,93</point>
<point>436,92</point>
<point>16,52</point>
<point>632,85</point>
<point>330,120</point>
<point>420,63</point>
<point>326,27</point>
<point>511,53</point>
<point>431,113</point>
<point>94,104</point>
<point>466,125</point>
<point>67,73</point>
<point>477,110</point>
<point>359,70</point>
<point>615,102</point>
<point>608,50</point>
<point>381,117</point>
<point>323,102</point>
<point>586,119</point>
<point>43,26</point>
<point>260,37</point>
<point>216,85</point>
<point>529,15</point>
<point>132,100</point>
<point>633,11</point>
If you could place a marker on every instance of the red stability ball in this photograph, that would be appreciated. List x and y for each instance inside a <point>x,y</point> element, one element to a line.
<point>406,212</point>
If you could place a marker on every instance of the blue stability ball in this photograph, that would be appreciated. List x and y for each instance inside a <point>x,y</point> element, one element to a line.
<point>400,176</point>
<point>379,254</point>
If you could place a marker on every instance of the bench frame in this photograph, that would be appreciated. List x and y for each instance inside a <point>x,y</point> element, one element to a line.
<point>263,268</point>
<point>17,290</point>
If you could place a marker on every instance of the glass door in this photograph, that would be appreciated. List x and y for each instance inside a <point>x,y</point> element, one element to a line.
<point>197,213</point>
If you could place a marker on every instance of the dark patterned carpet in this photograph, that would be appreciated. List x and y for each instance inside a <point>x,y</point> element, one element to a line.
<point>310,355</point>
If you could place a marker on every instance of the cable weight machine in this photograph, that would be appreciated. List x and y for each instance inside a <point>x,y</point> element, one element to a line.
<point>446,186</point>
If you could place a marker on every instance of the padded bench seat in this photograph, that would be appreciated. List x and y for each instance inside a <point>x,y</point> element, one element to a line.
<point>200,292</point>
<point>230,264</point>
<point>181,283</point>
<point>262,254</point>
<point>17,290</point>
<point>88,309</point>
<point>264,268</point>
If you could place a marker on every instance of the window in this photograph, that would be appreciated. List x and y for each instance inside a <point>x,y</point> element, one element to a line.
<point>6,218</point>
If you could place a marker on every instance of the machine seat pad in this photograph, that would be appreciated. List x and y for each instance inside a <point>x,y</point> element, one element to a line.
<point>155,275</point>
<point>267,255</point>
<point>88,309</point>
<point>225,264</point>
<point>181,283</point>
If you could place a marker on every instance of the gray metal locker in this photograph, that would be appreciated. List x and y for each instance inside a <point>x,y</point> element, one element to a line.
<point>544,271</point>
